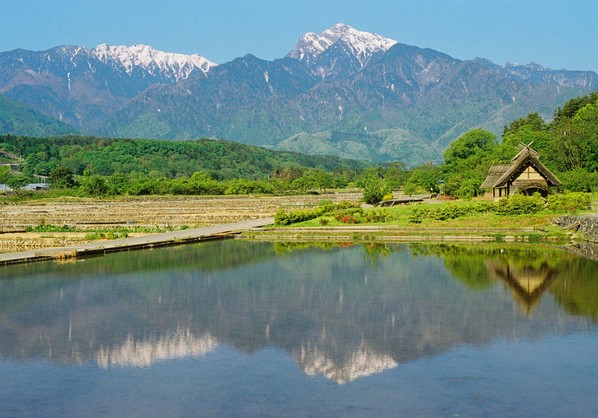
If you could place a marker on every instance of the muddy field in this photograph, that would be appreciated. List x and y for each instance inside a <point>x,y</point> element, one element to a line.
<point>144,212</point>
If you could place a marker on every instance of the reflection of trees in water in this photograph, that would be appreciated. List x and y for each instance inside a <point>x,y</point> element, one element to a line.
<point>577,291</point>
<point>344,313</point>
<point>528,271</point>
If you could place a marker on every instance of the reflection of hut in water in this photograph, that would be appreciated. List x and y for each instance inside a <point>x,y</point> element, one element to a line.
<point>526,175</point>
<point>528,283</point>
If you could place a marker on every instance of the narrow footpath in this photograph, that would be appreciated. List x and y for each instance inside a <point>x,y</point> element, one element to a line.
<point>125,244</point>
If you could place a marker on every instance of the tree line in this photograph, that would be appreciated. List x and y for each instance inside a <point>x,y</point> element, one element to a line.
<point>568,145</point>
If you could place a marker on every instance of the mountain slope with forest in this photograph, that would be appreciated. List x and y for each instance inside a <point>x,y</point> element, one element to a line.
<point>341,92</point>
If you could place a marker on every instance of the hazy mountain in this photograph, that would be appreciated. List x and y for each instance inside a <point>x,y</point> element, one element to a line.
<point>19,119</point>
<point>343,91</point>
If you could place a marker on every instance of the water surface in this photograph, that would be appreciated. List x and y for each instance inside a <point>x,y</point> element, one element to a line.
<point>234,328</point>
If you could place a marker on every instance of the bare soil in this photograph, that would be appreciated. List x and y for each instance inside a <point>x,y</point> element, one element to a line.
<point>146,212</point>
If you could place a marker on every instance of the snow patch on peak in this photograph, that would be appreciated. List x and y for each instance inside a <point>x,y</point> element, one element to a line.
<point>362,44</point>
<point>168,64</point>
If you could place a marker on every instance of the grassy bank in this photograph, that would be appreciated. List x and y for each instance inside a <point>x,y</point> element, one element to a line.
<point>519,220</point>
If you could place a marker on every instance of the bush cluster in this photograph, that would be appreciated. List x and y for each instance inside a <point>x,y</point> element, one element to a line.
<point>450,211</point>
<point>346,212</point>
<point>569,201</point>
<point>519,204</point>
<point>282,217</point>
<point>515,205</point>
<point>348,215</point>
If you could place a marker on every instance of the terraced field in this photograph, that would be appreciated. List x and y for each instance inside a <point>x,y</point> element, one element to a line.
<point>148,212</point>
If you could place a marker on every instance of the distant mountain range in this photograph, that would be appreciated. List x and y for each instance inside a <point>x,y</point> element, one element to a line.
<point>342,92</point>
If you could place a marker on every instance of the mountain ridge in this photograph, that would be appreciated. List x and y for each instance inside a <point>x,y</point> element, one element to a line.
<point>374,92</point>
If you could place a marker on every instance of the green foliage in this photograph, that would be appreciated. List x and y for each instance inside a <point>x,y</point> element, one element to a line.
<point>241,187</point>
<point>569,201</point>
<point>283,217</point>
<point>423,179</point>
<point>61,178</point>
<point>474,143</point>
<point>579,180</point>
<point>373,186</point>
<point>51,228</point>
<point>94,185</point>
<point>4,173</point>
<point>105,235</point>
<point>466,162</point>
<point>568,143</point>
<point>148,167</point>
<point>377,215</point>
<point>533,120</point>
<point>17,181</point>
<point>108,156</point>
<point>395,174</point>
<point>314,179</point>
<point>570,109</point>
<point>519,204</point>
<point>450,211</point>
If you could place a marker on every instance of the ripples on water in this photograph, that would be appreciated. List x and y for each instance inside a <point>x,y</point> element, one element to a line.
<point>238,328</point>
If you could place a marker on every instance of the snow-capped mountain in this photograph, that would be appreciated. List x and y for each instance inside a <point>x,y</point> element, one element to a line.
<point>169,65</point>
<point>362,45</point>
<point>343,92</point>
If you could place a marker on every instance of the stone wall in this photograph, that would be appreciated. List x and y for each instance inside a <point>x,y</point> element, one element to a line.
<point>587,224</point>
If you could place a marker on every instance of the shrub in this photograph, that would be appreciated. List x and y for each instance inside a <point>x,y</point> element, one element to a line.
<point>287,218</point>
<point>348,219</point>
<point>450,211</point>
<point>579,181</point>
<point>569,201</point>
<point>377,216</point>
<point>519,204</point>
<point>348,215</point>
<point>282,217</point>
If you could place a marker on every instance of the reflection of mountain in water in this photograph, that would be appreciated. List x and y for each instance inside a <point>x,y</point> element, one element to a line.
<point>146,352</point>
<point>363,362</point>
<point>336,311</point>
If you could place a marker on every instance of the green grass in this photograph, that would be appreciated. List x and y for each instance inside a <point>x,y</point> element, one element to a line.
<point>525,228</point>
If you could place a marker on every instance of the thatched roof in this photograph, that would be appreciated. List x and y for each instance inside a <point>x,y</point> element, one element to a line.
<point>495,173</point>
<point>499,175</point>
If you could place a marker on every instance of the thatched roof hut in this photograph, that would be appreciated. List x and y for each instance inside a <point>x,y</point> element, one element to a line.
<point>526,174</point>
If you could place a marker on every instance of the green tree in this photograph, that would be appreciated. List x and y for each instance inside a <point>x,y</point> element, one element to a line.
<point>18,181</point>
<point>466,162</point>
<point>94,185</point>
<point>396,174</point>
<point>373,186</point>
<point>423,179</point>
<point>4,173</point>
<point>61,178</point>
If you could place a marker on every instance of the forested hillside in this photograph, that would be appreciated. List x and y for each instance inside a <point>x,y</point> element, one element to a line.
<point>108,156</point>
<point>20,119</point>
<point>342,92</point>
<point>568,145</point>
<point>127,166</point>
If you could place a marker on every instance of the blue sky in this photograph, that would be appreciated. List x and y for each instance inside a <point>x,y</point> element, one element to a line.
<point>556,34</point>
